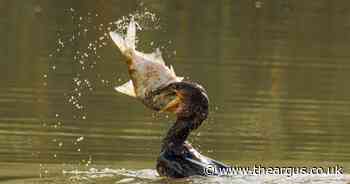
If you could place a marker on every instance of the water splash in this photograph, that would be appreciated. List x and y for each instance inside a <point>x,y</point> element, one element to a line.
<point>151,176</point>
<point>92,36</point>
<point>85,41</point>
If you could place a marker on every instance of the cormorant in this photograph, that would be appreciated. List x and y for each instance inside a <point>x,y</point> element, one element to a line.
<point>158,87</point>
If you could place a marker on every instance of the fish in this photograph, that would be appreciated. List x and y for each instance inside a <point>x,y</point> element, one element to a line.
<point>147,71</point>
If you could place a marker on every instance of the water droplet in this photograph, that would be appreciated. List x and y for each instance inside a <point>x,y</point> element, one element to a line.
<point>60,43</point>
<point>81,138</point>
<point>258,4</point>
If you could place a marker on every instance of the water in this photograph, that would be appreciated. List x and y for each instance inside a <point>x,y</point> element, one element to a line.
<point>276,73</point>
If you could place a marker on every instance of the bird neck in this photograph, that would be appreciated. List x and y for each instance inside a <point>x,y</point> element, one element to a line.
<point>178,133</point>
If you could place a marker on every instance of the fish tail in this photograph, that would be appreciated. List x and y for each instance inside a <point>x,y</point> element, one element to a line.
<point>131,35</point>
<point>128,44</point>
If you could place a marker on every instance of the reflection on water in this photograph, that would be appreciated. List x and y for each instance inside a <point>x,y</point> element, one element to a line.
<point>276,73</point>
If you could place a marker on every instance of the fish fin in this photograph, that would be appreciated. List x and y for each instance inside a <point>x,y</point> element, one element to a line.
<point>173,72</point>
<point>126,88</point>
<point>158,56</point>
<point>119,41</point>
<point>126,45</point>
<point>180,78</point>
<point>131,35</point>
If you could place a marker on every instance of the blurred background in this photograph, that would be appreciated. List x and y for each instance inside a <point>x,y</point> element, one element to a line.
<point>277,74</point>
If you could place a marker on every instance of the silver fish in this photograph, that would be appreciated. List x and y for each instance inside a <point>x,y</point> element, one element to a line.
<point>147,71</point>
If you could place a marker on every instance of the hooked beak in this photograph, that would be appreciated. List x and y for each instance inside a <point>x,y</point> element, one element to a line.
<point>175,104</point>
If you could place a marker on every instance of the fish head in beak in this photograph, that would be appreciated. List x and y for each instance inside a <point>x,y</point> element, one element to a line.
<point>189,99</point>
<point>174,105</point>
<point>164,99</point>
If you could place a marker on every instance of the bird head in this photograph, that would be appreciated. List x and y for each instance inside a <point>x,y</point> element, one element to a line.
<point>189,101</point>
